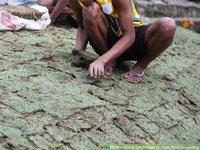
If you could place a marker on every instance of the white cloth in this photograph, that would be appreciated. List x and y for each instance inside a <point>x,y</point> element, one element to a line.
<point>41,23</point>
<point>17,2</point>
<point>11,22</point>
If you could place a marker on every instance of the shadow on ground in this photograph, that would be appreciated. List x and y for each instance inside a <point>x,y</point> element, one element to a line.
<point>47,101</point>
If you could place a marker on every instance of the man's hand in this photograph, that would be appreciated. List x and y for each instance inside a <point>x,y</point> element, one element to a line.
<point>96,68</point>
<point>53,19</point>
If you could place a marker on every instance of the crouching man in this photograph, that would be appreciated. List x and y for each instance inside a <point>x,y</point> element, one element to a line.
<point>116,33</point>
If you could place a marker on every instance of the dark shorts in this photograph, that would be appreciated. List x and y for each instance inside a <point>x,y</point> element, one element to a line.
<point>136,52</point>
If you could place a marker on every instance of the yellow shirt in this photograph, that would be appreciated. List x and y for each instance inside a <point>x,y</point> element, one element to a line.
<point>108,8</point>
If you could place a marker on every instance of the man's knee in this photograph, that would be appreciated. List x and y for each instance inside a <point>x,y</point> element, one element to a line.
<point>167,27</point>
<point>91,12</point>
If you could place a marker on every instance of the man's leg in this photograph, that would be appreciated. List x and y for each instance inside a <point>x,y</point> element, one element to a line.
<point>158,37</point>
<point>96,26</point>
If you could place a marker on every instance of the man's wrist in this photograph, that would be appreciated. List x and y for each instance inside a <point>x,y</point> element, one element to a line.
<point>102,59</point>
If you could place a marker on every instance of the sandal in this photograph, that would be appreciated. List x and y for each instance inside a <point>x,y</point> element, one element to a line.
<point>129,76</point>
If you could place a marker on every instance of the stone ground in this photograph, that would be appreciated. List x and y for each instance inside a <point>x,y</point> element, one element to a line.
<point>47,101</point>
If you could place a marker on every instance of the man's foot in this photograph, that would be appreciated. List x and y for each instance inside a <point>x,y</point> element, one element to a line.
<point>132,76</point>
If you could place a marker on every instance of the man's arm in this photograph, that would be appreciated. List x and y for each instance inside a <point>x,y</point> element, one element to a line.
<point>127,28</point>
<point>60,8</point>
<point>81,36</point>
<point>127,39</point>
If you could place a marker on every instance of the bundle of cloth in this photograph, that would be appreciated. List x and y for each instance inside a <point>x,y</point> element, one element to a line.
<point>23,14</point>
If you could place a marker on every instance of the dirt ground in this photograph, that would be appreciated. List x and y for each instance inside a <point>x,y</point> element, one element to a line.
<point>47,101</point>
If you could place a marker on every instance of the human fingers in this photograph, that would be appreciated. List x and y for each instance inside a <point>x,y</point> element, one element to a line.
<point>101,72</point>
<point>96,72</point>
<point>91,70</point>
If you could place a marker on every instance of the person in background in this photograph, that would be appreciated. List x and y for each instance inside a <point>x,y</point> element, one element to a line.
<point>58,8</point>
